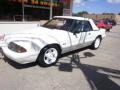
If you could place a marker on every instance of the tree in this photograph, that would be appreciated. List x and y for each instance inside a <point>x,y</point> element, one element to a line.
<point>80,13</point>
<point>108,13</point>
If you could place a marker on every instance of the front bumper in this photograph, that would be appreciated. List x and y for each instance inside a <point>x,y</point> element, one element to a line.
<point>31,54</point>
<point>21,58</point>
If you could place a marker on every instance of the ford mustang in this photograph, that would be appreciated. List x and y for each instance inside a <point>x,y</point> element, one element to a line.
<point>47,42</point>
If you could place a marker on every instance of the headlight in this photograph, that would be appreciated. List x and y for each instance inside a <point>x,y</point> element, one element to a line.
<point>16,48</point>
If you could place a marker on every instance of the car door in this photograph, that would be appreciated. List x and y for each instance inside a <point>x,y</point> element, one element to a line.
<point>76,35</point>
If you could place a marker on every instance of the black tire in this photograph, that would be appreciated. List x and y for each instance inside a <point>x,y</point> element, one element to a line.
<point>41,58</point>
<point>94,43</point>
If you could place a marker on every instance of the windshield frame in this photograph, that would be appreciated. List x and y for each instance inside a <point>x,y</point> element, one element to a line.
<point>71,27</point>
<point>65,20</point>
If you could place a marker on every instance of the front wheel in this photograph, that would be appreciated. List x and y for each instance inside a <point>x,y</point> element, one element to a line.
<point>48,56</point>
<point>96,43</point>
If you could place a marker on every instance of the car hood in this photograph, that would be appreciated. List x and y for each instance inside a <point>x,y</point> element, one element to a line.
<point>34,30</point>
<point>37,32</point>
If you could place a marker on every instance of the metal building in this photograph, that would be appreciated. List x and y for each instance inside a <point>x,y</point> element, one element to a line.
<point>18,10</point>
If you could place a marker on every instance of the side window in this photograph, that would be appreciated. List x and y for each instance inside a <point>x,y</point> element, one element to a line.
<point>77,26</point>
<point>67,24</point>
<point>87,26</point>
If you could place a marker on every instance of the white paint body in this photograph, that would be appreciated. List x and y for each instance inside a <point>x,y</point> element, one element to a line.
<point>36,38</point>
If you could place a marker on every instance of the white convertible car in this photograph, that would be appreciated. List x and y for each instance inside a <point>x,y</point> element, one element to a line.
<point>46,43</point>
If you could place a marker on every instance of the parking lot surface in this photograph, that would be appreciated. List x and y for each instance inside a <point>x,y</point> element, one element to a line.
<point>86,70</point>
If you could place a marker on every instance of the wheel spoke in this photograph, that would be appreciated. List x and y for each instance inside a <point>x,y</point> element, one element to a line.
<point>47,56</point>
<point>97,43</point>
<point>50,56</point>
<point>54,53</point>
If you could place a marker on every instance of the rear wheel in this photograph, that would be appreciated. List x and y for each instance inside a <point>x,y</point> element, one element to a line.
<point>48,56</point>
<point>96,43</point>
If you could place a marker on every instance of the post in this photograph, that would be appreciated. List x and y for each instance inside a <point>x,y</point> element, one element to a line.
<point>23,19</point>
<point>51,8</point>
<point>71,7</point>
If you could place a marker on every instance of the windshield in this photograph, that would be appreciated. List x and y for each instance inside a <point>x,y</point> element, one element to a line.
<point>59,23</point>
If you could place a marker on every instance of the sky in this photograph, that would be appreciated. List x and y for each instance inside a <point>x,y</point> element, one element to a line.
<point>97,6</point>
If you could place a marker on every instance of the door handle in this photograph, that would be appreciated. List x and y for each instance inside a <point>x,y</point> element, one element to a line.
<point>89,33</point>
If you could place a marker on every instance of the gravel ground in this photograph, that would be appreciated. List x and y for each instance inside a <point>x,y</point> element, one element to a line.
<point>85,70</point>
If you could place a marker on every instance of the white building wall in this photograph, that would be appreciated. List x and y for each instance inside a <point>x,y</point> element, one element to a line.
<point>9,27</point>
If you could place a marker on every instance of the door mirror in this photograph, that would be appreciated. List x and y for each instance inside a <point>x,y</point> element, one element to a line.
<point>76,32</point>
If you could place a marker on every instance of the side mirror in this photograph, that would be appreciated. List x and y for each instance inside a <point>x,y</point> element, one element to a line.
<point>76,32</point>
